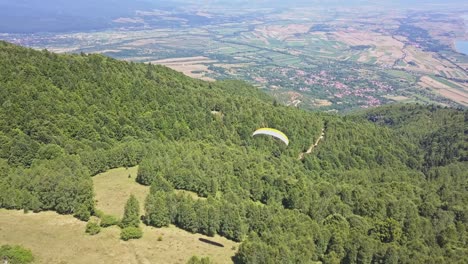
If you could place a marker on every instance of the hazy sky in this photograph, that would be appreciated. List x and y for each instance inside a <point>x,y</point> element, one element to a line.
<point>325,2</point>
<point>119,6</point>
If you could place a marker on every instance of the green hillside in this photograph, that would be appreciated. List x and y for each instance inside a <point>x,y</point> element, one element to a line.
<point>386,186</point>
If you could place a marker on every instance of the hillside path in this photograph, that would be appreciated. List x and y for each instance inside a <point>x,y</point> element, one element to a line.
<point>311,148</point>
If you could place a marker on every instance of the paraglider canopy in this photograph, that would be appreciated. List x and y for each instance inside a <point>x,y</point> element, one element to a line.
<point>272,132</point>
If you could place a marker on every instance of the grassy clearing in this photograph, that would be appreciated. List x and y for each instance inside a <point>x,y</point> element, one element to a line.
<point>112,189</point>
<point>55,238</point>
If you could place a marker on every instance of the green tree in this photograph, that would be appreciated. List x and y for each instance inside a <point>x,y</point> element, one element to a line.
<point>161,184</point>
<point>213,220</point>
<point>49,151</point>
<point>131,215</point>
<point>208,217</point>
<point>388,231</point>
<point>231,225</point>
<point>23,149</point>
<point>186,215</point>
<point>157,213</point>
<point>82,213</point>
<point>391,255</point>
<point>255,252</point>
<point>16,254</point>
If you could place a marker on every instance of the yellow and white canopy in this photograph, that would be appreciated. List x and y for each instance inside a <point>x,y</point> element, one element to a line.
<point>272,132</point>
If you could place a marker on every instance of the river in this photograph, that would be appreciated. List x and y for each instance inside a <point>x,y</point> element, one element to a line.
<point>462,46</point>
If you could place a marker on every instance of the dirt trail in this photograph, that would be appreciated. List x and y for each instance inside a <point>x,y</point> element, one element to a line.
<point>402,59</point>
<point>301,156</point>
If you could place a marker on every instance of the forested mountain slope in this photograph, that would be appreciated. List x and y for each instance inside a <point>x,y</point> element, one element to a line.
<point>370,191</point>
<point>440,133</point>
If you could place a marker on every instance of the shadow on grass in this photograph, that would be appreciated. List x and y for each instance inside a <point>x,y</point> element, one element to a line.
<point>211,242</point>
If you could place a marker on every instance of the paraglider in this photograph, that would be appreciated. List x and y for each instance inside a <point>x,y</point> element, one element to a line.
<point>272,132</point>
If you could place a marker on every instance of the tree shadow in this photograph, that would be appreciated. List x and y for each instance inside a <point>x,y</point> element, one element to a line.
<point>236,259</point>
<point>211,242</point>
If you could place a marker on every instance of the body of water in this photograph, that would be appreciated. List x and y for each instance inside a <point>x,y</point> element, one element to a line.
<point>462,46</point>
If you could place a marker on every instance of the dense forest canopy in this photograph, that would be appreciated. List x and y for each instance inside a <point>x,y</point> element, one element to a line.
<point>388,185</point>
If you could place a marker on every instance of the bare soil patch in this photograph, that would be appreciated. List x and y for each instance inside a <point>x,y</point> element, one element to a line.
<point>397,98</point>
<point>195,67</point>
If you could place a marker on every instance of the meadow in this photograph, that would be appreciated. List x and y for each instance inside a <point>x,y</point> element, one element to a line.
<point>55,238</point>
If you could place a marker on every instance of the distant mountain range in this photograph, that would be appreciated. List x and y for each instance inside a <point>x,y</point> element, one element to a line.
<point>33,16</point>
<point>30,16</point>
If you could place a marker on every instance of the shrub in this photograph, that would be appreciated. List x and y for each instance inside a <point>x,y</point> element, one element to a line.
<point>15,254</point>
<point>196,260</point>
<point>108,220</point>
<point>92,228</point>
<point>131,232</point>
<point>82,213</point>
<point>98,213</point>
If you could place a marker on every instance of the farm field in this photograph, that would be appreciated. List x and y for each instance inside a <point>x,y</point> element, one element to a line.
<point>454,91</point>
<point>337,60</point>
